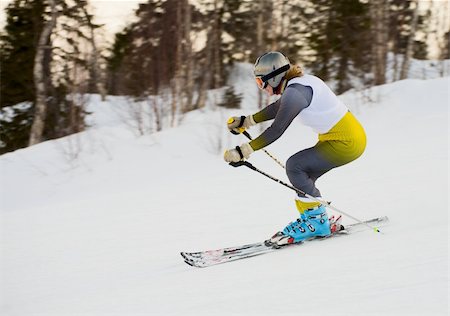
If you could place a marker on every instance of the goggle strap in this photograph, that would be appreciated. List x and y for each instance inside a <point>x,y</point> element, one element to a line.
<point>276,72</point>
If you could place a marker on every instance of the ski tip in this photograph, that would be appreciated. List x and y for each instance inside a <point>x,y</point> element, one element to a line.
<point>183,254</point>
<point>194,264</point>
<point>189,263</point>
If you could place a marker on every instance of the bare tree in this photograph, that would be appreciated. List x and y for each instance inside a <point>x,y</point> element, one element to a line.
<point>212,78</point>
<point>410,45</point>
<point>182,83</point>
<point>37,127</point>
<point>217,34</point>
<point>156,106</point>
<point>260,42</point>
<point>177,80</point>
<point>61,68</point>
<point>188,57</point>
<point>379,15</point>
<point>95,68</point>
<point>206,78</point>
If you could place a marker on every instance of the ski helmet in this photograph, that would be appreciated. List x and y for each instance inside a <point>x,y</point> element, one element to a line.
<point>270,69</point>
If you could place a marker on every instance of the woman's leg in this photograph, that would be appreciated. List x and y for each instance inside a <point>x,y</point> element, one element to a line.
<point>304,167</point>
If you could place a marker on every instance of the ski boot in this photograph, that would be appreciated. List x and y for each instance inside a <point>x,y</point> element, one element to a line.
<point>312,223</point>
<point>282,238</point>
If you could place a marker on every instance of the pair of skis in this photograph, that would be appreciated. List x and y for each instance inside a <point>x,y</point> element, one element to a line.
<point>208,258</point>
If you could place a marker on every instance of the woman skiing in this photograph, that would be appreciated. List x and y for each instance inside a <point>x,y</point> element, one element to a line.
<point>341,137</point>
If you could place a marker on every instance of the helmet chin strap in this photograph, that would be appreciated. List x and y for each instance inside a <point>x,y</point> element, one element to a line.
<point>280,88</point>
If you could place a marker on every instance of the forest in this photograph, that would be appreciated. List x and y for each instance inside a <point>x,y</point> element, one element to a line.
<point>174,51</point>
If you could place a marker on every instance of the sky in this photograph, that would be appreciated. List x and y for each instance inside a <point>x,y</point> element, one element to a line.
<point>115,14</point>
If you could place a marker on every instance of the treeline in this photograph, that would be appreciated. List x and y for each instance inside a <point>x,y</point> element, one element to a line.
<point>49,60</point>
<point>178,51</point>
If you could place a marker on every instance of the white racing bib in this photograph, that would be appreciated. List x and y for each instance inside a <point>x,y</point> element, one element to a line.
<point>325,109</point>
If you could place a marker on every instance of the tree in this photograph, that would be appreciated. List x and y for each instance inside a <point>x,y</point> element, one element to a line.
<point>404,20</point>
<point>410,42</point>
<point>47,40</point>
<point>339,40</point>
<point>231,100</point>
<point>160,57</point>
<point>118,52</point>
<point>68,28</point>
<point>18,48</point>
<point>379,30</point>
<point>94,67</point>
<point>17,53</point>
<point>40,63</point>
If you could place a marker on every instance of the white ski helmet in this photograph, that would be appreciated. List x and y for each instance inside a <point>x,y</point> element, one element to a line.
<point>270,69</point>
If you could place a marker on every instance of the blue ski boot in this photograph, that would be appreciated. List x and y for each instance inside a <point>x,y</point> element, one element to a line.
<point>312,223</point>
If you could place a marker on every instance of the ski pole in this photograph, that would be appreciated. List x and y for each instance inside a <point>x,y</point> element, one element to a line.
<point>249,165</point>
<point>246,134</point>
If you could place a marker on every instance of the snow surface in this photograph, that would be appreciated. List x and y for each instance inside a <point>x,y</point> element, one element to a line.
<point>92,224</point>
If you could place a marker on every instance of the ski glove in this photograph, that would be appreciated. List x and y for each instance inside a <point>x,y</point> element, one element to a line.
<point>239,153</point>
<point>238,124</point>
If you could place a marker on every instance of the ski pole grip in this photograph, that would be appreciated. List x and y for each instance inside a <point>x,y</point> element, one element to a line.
<point>239,128</point>
<point>237,164</point>
<point>242,163</point>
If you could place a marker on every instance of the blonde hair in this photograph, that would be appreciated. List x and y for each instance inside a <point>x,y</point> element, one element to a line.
<point>294,71</point>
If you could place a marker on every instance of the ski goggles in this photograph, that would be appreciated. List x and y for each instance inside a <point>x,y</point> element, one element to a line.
<point>261,84</point>
<point>262,81</point>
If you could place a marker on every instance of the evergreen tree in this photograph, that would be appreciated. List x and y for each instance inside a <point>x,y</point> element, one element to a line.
<point>230,99</point>
<point>445,53</point>
<point>64,70</point>
<point>339,38</point>
<point>118,52</point>
<point>17,52</point>
<point>144,54</point>
<point>15,124</point>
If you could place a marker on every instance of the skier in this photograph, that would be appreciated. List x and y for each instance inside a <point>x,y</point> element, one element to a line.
<point>341,137</point>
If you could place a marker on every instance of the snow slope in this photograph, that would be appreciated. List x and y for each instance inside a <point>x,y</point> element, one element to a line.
<point>92,224</point>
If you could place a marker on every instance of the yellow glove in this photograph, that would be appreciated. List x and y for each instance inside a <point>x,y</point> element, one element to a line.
<point>239,153</point>
<point>238,124</point>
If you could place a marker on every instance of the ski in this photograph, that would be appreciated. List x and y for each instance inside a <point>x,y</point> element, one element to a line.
<point>208,258</point>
